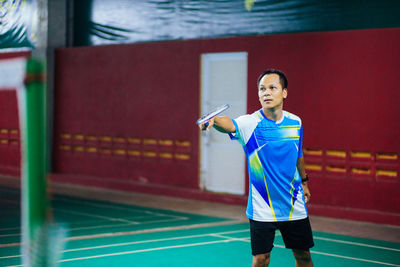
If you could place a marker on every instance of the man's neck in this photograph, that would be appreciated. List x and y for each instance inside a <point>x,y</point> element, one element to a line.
<point>273,114</point>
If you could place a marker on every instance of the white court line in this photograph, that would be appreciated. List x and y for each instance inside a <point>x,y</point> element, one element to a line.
<point>9,235</point>
<point>116,207</point>
<point>247,239</point>
<point>96,216</point>
<point>215,242</point>
<point>132,222</point>
<point>147,241</point>
<point>150,249</point>
<point>339,256</point>
<point>105,226</point>
<point>70,223</point>
<point>66,199</point>
<point>242,239</point>
<point>108,218</point>
<point>135,232</point>
<point>11,257</point>
<point>118,225</point>
<point>140,251</point>
<point>352,258</point>
<point>218,234</point>
<point>10,228</point>
<point>155,240</point>
<point>355,243</point>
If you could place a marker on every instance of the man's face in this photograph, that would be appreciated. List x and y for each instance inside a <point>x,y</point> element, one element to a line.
<point>270,92</point>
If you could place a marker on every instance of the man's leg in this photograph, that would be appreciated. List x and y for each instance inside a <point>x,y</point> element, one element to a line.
<point>297,236</point>
<point>262,238</point>
<point>261,260</point>
<point>303,258</point>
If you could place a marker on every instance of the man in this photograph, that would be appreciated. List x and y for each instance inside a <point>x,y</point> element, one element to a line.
<point>272,141</point>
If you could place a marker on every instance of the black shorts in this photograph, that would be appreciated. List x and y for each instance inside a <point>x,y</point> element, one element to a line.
<point>296,235</point>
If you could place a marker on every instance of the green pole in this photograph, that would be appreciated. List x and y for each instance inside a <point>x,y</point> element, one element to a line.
<point>34,200</point>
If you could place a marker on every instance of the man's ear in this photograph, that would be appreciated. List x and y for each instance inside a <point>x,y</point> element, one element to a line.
<point>285,93</point>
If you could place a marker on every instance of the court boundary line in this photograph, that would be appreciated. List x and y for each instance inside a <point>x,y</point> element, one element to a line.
<point>353,258</point>
<point>225,240</point>
<point>155,230</point>
<point>145,231</point>
<point>90,222</point>
<point>148,241</point>
<point>229,239</point>
<point>95,216</point>
<point>151,249</point>
<point>108,204</point>
<point>115,206</point>
<point>105,226</point>
<point>194,226</point>
<point>216,234</point>
<point>355,243</point>
<point>111,206</point>
<point>341,256</point>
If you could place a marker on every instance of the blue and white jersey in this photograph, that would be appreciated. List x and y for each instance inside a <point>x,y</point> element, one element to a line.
<point>272,149</point>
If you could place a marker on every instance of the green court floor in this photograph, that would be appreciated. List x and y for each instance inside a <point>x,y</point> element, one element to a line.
<point>109,234</point>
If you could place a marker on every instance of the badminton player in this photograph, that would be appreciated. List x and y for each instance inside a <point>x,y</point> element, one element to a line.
<point>278,193</point>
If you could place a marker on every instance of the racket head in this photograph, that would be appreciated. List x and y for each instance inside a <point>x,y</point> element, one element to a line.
<point>216,111</point>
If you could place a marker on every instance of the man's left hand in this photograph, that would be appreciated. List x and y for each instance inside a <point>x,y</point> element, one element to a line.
<point>307,193</point>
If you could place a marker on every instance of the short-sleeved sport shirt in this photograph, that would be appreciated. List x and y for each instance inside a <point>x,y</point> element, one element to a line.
<point>272,149</point>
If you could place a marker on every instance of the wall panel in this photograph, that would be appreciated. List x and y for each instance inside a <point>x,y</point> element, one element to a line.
<point>125,114</point>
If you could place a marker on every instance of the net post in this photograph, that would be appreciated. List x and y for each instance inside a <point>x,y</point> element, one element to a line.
<point>34,199</point>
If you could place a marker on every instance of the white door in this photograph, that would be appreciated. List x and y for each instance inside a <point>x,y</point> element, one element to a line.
<point>223,81</point>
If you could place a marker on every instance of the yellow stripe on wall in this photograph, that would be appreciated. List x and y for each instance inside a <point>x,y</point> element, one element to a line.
<point>182,143</point>
<point>312,152</point>
<point>390,156</point>
<point>388,173</point>
<point>313,167</point>
<point>133,140</point>
<point>135,153</point>
<point>165,142</point>
<point>150,141</point>
<point>78,136</point>
<point>65,136</point>
<point>336,169</point>
<point>359,154</point>
<point>166,155</point>
<point>105,138</point>
<point>336,153</point>
<point>149,154</point>
<point>91,149</point>
<point>182,156</point>
<point>119,152</point>
<point>361,171</point>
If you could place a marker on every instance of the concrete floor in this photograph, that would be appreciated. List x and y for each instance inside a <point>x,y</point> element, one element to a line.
<point>320,224</point>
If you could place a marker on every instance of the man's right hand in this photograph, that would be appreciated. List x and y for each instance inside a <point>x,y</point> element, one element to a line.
<point>207,125</point>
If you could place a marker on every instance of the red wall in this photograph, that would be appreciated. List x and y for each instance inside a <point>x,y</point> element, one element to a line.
<point>125,115</point>
<point>344,85</point>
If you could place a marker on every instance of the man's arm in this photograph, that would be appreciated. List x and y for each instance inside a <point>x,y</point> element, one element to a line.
<point>302,171</point>
<point>222,124</point>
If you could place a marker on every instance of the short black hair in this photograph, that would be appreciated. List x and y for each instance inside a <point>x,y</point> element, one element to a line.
<point>282,77</point>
